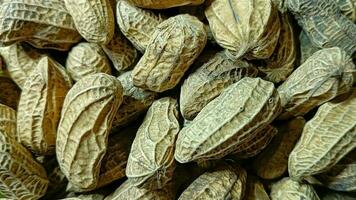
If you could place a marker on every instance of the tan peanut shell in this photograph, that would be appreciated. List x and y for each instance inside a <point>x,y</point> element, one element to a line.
<point>85,59</point>
<point>220,183</point>
<point>83,130</point>
<point>163,4</point>
<point>137,24</point>
<point>10,92</point>
<point>128,191</point>
<point>281,63</point>
<point>287,189</point>
<point>121,52</point>
<point>255,189</point>
<point>209,80</point>
<point>40,106</point>
<point>8,120</point>
<point>324,24</point>
<point>273,161</point>
<point>21,60</point>
<point>94,19</point>
<point>326,139</point>
<point>21,177</point>
<point>135,101</point>
<point>250,26</point>
<point>322,77</point>
<point>151,161</point>
<point>342,176</point>
<point>175,44</point>
<point>44,24</point>
<point>227,122</point>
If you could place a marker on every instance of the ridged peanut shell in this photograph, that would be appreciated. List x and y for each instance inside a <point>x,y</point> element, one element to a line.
<point>8,120</point>
<point>163,4</point>
<point>94,19</point>
<point>21,177</point>
<point>287,189</point>
<point>174,46</point>
<point>151,161</point>
<point>40,107</point>
<point>348,8</point>
<point>209,80</point>
<point>83,130</point>
<point>326,139</point>
<point>44,24</point>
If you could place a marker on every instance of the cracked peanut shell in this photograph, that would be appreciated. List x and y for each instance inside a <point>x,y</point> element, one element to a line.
<point>287,189</point>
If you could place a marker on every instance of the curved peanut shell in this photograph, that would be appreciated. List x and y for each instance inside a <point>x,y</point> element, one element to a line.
<point>209,80</point>
<point>83,130</point>
<point>21,176</point>
<point>287,189</point>
<point>94,19</point>
<point>175,44</point>
<point>326,139</point>
<point>163,4</point>
<point>322,77</point>
<point>227,122</point>
<point>42,23</point>
<point>137,24</point>
<point>151,161</point>
<point>40,106</point>
<point>8,121</point>
<point>85,59</point>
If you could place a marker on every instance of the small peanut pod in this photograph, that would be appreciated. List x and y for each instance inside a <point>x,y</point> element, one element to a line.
<point>209,80</point>
<point>138,25</point>
<point>151,161</point>
<point>44,24</point>
<point>83,130</point>
<point>222,182</point>
<point>226,123</point>
<point>85,59</point>
<point>326,139</point>
<point>175,44</point>
<point>21,177</point>
<point>322,77</point>
<point>94,19</point>
<point>8,120</point>
<point>163,4</point>
<point>40,106</point>
<point>287,189</point>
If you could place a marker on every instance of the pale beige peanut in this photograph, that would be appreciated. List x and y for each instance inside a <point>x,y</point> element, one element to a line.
<point>85,59</point>
<point>40,106</point>
<point>94,19</point>
<point>137,24</point>
<point>209,80</point>
<point>326,139</point>
<point>21,177</point>
<point>151,161</point>
<point>226,123</point>
<point>8,120</point>
<point>287,189</point>
<point>83,130</point>
<point>163,4</point>
<point>44,24</point>
<point>175,44</point>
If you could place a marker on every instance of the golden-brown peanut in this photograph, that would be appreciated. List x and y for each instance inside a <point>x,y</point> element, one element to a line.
<point>8,121</point>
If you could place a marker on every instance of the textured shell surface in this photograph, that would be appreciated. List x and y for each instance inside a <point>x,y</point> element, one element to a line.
<point>82,136</point>
<point>326,139</point>
<point>151,161</point>
<point>306,47</point>
<point>94,19</point>
<point>348,8</point>
<point>8,120</point>
<point>273,161</point>
<point>44,24</point>
<point>86,197</point>
<point>241,26</point>
<point>121,52</point>
<point>40,106</point>
<point>236,116</point>
<point>137,24</point>
<point>324,24</point>
<point>281,64</point>
<point>342,176</point>
<point>209,80</point>
<point>128,191</point>
<point>163,4</point>
<point>10,92</point>
<point>21,176</point>
<point>85,59</point>
<point>20,60</point>
<point>174,46</point>
<point>287,189</point>
<point>255,189</point>
<point>224,182</point>
<point>322,77</point>
<point>135,101</point>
